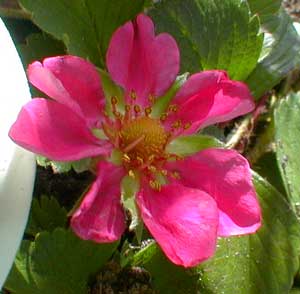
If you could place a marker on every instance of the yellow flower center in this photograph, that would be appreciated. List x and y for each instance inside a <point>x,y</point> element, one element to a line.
<point>143,138</point>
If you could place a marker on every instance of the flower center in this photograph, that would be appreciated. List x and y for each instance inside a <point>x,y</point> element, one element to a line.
<point>143,138</point>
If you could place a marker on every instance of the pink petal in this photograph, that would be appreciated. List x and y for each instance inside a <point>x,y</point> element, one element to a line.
<point>210,97</point>
<point>225,175</point>
<point>142,62</point>
<point>183,221</point>
<point>72,81</point>
<point>53,130</point>
<point>100,216</point>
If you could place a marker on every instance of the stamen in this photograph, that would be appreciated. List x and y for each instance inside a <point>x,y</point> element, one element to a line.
<point>131,173</point>
<point>151,98</point>
<point>163,117</point>
<point>126,158</point>
<point>133,95</point>
<point>127,108</point>
<point>155,185</point>
<point>114,100</point>
<point>117,114</point>
<point>140,160</point>
<point>148,110</point>
<point>177,124</point>
<point>187,126</point>
<point>152,168</point>
<point>173,108</point>
<point>164,172</point>
<point>176,175</point>
<point>137,109</point>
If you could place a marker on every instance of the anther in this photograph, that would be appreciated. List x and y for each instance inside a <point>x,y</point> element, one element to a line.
<point>127,107</point>
<point>133,95</point>
<point>151,158</point>
<point>117,114</point>
<point>173,108</point>
<point>131,173</point>
<point>177,124</point>
<point>114,100</point>
<point>151,98</point>
<point>163,117</point>
<point>155,185</point>
<point>176,175</point>
<point>148,110</point>
<point>164,172</point>
<point>137,109</point>
<point>152,168</point>
<point>140,160</point>
<point>187,126</point>
<point>126,158</point>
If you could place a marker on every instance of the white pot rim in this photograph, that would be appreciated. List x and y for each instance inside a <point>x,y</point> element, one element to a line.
<point>17,166</point>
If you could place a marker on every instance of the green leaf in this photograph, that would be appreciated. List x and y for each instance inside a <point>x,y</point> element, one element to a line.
<point>265,262</point>
<point>188,145</point>
<point>85,26</point>
<point>281,53</point>
<point>295,291</point>
<point>287,135</point>
<point>212,34</point>
<point>63,167</point>
<point>167,278</point>
<point>45,215</point>
<point>267,167</point>
<point>57,262</point>
<point>264,8</point>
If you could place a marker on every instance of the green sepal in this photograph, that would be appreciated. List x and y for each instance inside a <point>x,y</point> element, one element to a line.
<point>116,157</point>
<point>63,167</point>
<point>129,187</point>
<point>111,90</point>
<point>161,104</point>
<point>188,145</point>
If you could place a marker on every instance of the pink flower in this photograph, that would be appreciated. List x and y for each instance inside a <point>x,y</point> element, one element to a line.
<point>204,196</point>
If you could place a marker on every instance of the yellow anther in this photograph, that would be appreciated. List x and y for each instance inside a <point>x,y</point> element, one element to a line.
<point>126,158</point>
<point>114,100</point>
<point>176,175</point>
<point>164,172</point>
<point>148,110</point>
<point>117,114</point>
<point>177,124</point>
<point>151,158</point>
<point>151,98</point>
<point>131,173</point>
<point>187,126</point>
<point>163,117</point>
<point>127,107</point>
<point>173,108</point>
<point>155,185</point>
<point>133,95</point>
<point>152,168</point>
<point>137,109</point>
<point>140,160</point>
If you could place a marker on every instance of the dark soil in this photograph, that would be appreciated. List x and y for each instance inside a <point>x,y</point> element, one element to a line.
<point>115,280</point>
<point>65,187</point>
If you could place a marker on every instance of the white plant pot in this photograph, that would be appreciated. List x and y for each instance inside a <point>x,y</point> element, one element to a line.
<point>17,166</point>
